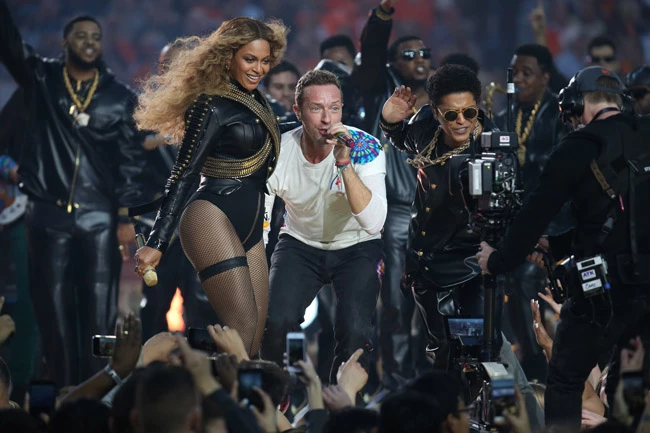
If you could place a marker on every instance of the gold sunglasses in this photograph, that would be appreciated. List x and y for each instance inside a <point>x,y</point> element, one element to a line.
<point>451,115</point>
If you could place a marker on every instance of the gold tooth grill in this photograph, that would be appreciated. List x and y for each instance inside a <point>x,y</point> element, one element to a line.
<point>195,119</point>
<point>231,168</point>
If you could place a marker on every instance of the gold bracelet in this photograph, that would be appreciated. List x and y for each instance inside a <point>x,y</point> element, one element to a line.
<point>386,16</point>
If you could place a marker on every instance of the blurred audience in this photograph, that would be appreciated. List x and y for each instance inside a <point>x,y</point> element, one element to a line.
<point>139,30</point>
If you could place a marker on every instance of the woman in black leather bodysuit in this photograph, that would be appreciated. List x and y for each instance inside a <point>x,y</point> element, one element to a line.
<point>209,102</point>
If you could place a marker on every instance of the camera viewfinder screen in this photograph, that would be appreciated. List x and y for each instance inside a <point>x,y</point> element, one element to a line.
<point>250,379</point>
<point>465,327</point>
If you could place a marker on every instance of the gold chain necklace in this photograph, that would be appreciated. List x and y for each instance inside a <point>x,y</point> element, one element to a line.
<point>423,159</point>
<point>523,137</point>
<point>81,107</point>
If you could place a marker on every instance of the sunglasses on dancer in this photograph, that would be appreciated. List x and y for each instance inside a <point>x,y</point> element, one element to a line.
<point>451,115</point>
<point>409,55</point>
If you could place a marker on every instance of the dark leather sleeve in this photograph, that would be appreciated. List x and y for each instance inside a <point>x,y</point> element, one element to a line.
<point>130,189</point>
<point>202,130</point>
<point>370,76</point>
<point>12,51</point>
<point>406,136</point>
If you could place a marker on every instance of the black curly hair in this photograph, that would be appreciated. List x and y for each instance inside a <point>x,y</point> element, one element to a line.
<point>452,79</point>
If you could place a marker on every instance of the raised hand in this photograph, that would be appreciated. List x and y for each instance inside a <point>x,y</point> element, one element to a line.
<point>351,375</point>
<point>335,398</point>
<point>632,359</point>
<point>267,418</point>
<point>7,325</point>
<point>309,377</point>
<point>128,343</point>
<point>542,337</point>
<point>537,18</point>
<point>226,367</point>
<point>591,419</point>
<point>399,106</point>
<point>228,341</point>
<point>518,422</point>
<point>198,364</point>
<point>548,297</point>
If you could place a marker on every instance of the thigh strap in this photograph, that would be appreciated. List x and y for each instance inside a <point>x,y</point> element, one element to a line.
<point>226,265</point>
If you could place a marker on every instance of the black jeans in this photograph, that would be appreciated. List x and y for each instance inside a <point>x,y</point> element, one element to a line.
<point>579,341</point>
<point>74,264</point>
<point>298,272</point>
<point>175,271</point>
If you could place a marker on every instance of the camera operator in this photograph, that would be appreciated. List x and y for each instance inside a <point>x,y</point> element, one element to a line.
<point>594,167</point>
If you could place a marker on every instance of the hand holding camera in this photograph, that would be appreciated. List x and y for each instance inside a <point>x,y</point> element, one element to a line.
<point>198,364</point>
<point>309,377</point>
<point>518,421</point>
<point>229,341</point>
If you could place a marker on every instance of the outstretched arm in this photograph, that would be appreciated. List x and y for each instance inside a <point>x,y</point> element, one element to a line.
<point>12,52</point>
<point>374,42</point>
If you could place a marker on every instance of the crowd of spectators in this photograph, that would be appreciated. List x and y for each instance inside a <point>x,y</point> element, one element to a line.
<point>135,31</point>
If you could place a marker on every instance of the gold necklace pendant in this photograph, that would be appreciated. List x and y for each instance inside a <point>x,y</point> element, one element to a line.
<point>78,108</point>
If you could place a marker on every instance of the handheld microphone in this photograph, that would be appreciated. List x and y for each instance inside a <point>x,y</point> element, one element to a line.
<point>344,139</point>
<point>150,276</point>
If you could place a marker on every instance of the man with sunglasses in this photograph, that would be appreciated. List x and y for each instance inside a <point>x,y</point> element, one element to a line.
<point>637,86</point>
<point>407,61</point>
<point>436,271</point>
<point>441,271</point>
<point>602,52</point>
<point>539,129</point>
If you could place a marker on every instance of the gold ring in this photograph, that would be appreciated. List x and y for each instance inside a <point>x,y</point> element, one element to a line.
<point>121,247</point>
<point>126,332</point>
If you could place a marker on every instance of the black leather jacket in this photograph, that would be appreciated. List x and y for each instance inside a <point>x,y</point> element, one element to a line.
<point>93,167</point>
<point>376,81</point>
<point>440,217</point>
<point>226,130</point>
<point>547,132</point>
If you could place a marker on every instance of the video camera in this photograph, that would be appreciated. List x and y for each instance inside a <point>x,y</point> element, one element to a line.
<point>492,179</point>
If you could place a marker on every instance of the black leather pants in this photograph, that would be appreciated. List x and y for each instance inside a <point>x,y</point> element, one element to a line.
<point>175,271</point>
<point>465,299</point>
<point>74,267</point>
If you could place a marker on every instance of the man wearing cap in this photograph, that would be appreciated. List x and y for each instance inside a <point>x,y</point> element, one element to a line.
<point>595,168</point>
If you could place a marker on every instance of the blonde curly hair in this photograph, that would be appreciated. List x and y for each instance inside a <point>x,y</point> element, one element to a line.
<point>201,69</point>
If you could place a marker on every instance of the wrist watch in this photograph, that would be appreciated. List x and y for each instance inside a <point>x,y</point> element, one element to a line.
<point>116,377</point>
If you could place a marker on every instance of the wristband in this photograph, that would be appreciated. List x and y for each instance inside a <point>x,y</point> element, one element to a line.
<point>342,164</point>
<point>116,377</point>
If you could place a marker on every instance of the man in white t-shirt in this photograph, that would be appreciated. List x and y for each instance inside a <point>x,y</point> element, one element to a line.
<point>335,210</point>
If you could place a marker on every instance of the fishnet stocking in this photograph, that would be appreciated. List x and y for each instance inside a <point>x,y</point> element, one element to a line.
<point>208,237</point>
<point>259,274</point>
